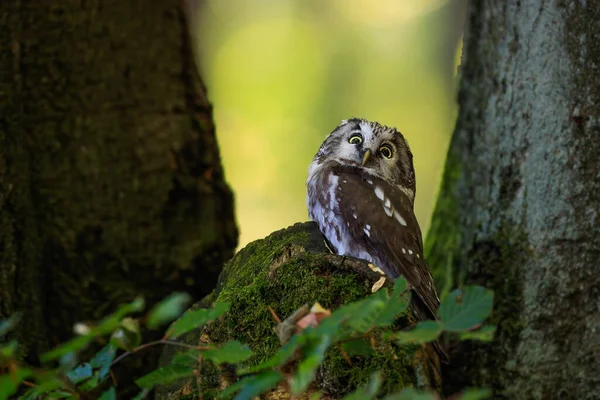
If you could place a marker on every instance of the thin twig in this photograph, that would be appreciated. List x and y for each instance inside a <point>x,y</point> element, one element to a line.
<point>345,355</point>
<point>274,314</point>
<point>113,377</point>
<point>169,332</point>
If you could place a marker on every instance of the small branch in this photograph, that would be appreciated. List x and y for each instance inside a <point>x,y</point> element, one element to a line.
<point>345,355</point>
<point>274,314</point>
<point>169,333</point>
<point>113,377</point>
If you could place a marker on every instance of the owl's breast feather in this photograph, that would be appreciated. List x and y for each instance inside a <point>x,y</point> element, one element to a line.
<point>323,200</point>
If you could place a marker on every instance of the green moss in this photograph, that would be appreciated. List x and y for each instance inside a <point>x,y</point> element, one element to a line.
<point>494,263</point>
<point>288,269</point>
<point>442,242</point>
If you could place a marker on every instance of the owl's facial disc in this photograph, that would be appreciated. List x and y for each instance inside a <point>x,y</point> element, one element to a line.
<point>374,148</point>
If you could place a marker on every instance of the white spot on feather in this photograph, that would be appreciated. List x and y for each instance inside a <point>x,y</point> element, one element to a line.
<point>387,203</point>
<point>389,211</point>
<point>367,232</point>
<point>410,251</point>
<point>377,285</point>
<point>354,215</point>
<point>333,183</point>
<point>399,218</point>
<point>404,251</point>
<point>379,193</point>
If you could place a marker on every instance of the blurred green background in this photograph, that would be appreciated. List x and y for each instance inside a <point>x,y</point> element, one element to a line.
<point>282,74</point>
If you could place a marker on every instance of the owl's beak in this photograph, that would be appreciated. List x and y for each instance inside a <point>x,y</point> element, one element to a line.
<point>366,157</point>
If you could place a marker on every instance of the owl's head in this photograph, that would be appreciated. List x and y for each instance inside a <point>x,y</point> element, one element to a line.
<point>377,149</point>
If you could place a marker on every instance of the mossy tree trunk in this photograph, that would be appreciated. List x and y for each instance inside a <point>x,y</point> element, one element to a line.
<point>519,208</point>
<point>110,179</point>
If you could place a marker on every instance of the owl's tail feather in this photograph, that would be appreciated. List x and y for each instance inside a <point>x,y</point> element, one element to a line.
<point>428,368</point>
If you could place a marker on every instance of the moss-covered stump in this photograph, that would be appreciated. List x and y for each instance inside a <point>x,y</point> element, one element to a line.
<point>290,268</point>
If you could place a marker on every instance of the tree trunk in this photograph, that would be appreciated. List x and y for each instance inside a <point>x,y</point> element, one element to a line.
<point>518,209</point>
<point>110,178</point>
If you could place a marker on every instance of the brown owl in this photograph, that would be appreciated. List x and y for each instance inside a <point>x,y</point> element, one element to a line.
<point>361,192</point>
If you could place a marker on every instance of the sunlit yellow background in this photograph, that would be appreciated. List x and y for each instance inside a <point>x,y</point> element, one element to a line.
<point>282,74</point>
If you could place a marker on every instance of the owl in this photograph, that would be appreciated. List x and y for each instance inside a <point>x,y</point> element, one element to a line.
<point>361,193</point>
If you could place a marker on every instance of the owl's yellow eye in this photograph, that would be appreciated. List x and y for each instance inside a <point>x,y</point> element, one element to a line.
<point>355,139</point>
<point>386,151</point>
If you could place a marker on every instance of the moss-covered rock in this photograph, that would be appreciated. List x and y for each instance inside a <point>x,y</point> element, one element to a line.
<point>284,271</point>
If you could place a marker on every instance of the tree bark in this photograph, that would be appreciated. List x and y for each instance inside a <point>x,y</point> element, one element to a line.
<point>110,179</point>
<point>518,209</point>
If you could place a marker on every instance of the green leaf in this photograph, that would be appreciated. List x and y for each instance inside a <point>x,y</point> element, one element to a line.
<point>193,319</point>
<point>168,309</point>
<point>484,334</point>
<point>363,318</point>
<point>400,287</point>
<point>411,394</point>
<point>231,352</point>
<point>279,358</point>
<point>8,350</point>
<point>10,323</point>
<point>367,392</point>
<point>10,382</point>
<point>89,384</point>
<point>141,395</point>
<point>110,394</point>
<point>316,395</point>
<point>358,347</point>
<point>103,359</point>
<point>305,372</point>
<point>74,345</point>
<point>467,308</point>
<point>81,373</point>
<point>188,358</point>
<point>68,361</point>
<point>424,332</point>
<point>395,306</point>
<point>60,394</point>
<point>110,323</point>
<point>127,336</point>
<point>30,394</point>
<point>252,386</point>
<point>164,375</point>
<point>47,381</point>
<point>475,394</point>
<point>106,326</point>
<point>338,323</point>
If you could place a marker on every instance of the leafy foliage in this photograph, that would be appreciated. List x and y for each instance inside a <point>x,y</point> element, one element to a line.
<point>367,392</point>
<point>162,375</point>
<point>350,329</point>
<point>193,319</point>
<point>466,308</point>
<point>425,331</point>
<point>168,309</point>
<point>105,327</point>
